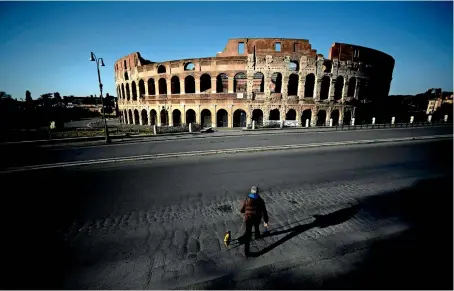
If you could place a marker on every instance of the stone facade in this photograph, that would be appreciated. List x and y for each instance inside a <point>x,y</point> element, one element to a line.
<point>266,80</point>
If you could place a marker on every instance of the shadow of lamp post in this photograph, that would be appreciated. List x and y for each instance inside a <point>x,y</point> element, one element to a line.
<point>93,58</point>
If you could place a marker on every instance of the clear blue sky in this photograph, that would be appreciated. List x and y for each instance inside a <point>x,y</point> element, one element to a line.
<point>45,46</point>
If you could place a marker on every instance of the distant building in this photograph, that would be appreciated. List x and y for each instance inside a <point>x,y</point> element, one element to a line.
<point>436,103</point>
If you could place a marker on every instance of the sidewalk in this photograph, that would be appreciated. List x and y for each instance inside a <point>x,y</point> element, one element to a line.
<point>218,132</point>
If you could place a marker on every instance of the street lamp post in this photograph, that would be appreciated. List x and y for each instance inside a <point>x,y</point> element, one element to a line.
<point>93,58</point>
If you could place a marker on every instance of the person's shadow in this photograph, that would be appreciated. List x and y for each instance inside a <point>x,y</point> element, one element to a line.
<point>321,221</point>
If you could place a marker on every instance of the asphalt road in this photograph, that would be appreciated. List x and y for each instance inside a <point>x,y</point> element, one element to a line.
<point>20,155</point>
<point>386,221</point>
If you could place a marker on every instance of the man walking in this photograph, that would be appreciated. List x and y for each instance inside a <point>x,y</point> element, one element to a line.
<point>254,209</point>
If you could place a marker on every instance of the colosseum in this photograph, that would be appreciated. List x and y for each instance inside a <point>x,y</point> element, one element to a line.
<point>266,80</point>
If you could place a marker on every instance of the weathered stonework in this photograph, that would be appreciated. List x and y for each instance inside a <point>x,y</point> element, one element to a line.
<point>234,88</point>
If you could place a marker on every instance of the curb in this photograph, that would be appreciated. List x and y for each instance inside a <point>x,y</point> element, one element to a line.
<point>221,151</point>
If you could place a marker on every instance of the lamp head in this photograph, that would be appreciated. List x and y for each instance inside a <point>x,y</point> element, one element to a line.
<point>102,63</point>
<point>92,57</point>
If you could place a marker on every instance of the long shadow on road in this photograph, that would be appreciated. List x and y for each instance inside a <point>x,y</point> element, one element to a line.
<point>418,258</point>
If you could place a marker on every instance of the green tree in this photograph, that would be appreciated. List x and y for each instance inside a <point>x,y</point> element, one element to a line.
<point>28,97</point>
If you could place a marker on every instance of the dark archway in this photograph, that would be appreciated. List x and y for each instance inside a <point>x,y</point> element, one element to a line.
<point>324,88</point>
<point>164,117</point>
<point>128,94</point>
<point>175,85</point>
<point>292,88</point>
<point>347,117</point>
<point>176,117</point>
<point>189,84</point>
<point>123,95</point>
<point>205,118</point>
<point>309,86</point>
<point>222,83</point>
<point>259,82</point>
<point>125,117</point>
<point>291,115</point>
<point>338,88</point>
<point>257,115</point>
<point>307,114</point>
<point>205,83</point>
<point>335,117</point>
<point>222,118</point>
<point>239,83</point>
<point>144,117</point>
<point>321,118</point>
<point>351,87</point>
<point>276,80</point>
<point>161,69</point>
<point>126,76</point>
<point>275,114</point>
<point>151,87</point>
<point>130,117</point>
<point>189,67</point>
<point>134,90</point>
<point>239,118</point>
<point>141,88</point>
<point>162,86</point>
<point>153,115</point>
<point>136,116</point>
<point>190,116</point>
<point>118,92</point>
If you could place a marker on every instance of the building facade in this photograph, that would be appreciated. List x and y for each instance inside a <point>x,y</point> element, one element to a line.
<point>261,79</point>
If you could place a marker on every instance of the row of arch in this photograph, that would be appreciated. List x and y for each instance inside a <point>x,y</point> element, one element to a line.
<point>239,117</point>
<point>239,85</point>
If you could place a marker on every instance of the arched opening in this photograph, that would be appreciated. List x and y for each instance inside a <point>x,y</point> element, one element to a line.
<point>175,85</point>
<point>293,66</point>
<point>134,90</point>
<point>335,117</point>
<point>338,88</point>
<point>118,92</point>
<point>128,94</point>
<point>222,118</point>
<point>123,95</point>
<point>205,83</point>
<point>153,115</point>
<point>324,88</point>
<point>130,117</point>
<point>190,116</point>
<point>126,76</point>
<point>176,117</point>
<point>124,64</point>
<point>293,85</point>
<point>222,83</point>
<point>141,88</point>
<point>151,87</point>
<point>125,117</point>
<point>321,118</point>
<point>291,115</point>
<point>239,118</point>
<point>189,67</point>
<point>164,117</point>
<point>258,84</point>
<point>239,83</point>
<point>257,115</point>
<point>205,118</point>
<point>161,69</point>
<point>136,117</point>
<point>309,86</point>
<point>144,117</point>
<point>351,87</point>
<point>162,86</point>
<point>275,114</point>
<point>307,114</point>
<point>347,117</point>
<point>189,84</point>
<point>276,82</point>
